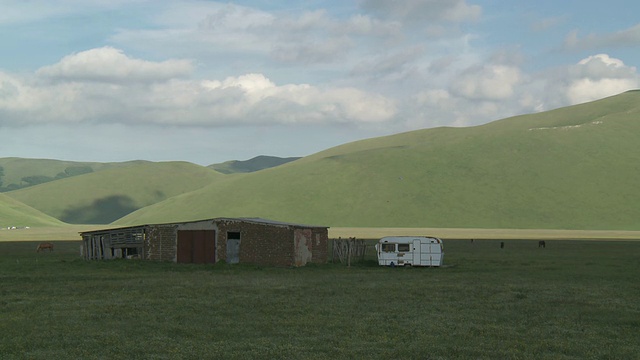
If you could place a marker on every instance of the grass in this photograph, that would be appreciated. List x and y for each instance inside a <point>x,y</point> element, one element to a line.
<point>572,300</point>
<point>71,232</point>
<point>47,233</point>
<point>15,213</point>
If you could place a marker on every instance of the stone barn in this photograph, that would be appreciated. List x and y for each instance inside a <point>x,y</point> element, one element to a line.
<point>246,240</point>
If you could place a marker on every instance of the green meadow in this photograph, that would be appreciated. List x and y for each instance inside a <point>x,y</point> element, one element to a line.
<point>570,300</point>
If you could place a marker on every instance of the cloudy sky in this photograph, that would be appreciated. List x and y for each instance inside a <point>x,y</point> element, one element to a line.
<point>208,81</point>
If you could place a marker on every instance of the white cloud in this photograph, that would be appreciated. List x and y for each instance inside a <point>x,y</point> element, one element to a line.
<point>377,65</point>
<point>393,66</point>
<point>106,86</point>
<point>591,78</point>
<point>601,66</point>
<point>249,83</point>
<point>459,93</point>
<point>496,88</point>
<point>262,100</point>
<point>547,23</point>
<point>623,38</point>
<point>216,31</point>
<point>313,51</point>
<point>424,10</point>
<point>361,24</point>
<point>252,38</point>
<point>18,11</point>
<point>599,76</point>
<point>488,82</point>
<point>107,64</point>
<point>228,17</point>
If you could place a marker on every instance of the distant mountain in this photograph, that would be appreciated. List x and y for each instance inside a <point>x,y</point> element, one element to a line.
<point>17,173</point>
<point>255,164</point>
<point>570,168</point>
<point>104,196</point>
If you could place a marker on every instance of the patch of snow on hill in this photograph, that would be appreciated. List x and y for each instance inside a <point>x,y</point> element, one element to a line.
<point>567,127</point>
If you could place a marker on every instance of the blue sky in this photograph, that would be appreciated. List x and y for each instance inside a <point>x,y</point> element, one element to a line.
<point>207,81</point>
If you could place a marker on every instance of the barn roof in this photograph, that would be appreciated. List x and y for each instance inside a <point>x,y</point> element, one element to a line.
<point>254,220</point>
<point>271,222</point>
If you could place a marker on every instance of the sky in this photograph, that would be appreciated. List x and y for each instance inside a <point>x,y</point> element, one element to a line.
<point>208,81</point>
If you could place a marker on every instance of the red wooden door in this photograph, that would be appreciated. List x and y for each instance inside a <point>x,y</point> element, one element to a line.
<point>196,246</point>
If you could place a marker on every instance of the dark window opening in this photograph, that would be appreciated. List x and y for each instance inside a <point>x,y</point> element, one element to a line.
<point>403,247</point>
<point>128,253</point>
<point>389,247</point>
<point>233,235</point>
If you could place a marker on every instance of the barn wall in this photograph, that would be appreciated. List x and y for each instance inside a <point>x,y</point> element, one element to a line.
<point>161,242</point>
<point>113,243</point>
<point>320,249</point>
<point>303,246</point>
<point>259,243</point>
<point>198,225</point>
<point>311,245</point>
<point>263,243</point>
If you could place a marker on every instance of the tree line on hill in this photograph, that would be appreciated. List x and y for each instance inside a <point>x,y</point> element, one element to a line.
<point>32,180</point>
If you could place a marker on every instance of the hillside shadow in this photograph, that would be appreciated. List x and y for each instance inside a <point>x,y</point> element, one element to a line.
<point>101,211</point>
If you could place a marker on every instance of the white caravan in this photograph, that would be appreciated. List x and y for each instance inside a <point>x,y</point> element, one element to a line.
<point>410,251</point>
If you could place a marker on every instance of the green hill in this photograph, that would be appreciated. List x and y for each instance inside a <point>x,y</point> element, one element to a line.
<point>16,173</point>
<point>102,197</point>
<point>255,164</point>
<point>16,214</point>
<point>570,168</point>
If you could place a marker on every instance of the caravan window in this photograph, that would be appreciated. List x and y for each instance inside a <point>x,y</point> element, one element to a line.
<point>389,247</point>
<point>403,247</point>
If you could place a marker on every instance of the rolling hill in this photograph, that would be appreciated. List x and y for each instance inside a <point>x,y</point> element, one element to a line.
<point>572,168</point>
<point>104,196</point>
<point>254,164</point>
<point>16,214</point>
<point>16,173</point>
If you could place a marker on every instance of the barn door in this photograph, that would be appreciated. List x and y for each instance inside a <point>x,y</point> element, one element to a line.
<point>196,246</point>
<point>233,247</point>
<point>303,250</point>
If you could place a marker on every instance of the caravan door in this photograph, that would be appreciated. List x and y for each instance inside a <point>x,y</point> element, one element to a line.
<point>435,252</point>
<point>429,251</point>
<point>417,253</point>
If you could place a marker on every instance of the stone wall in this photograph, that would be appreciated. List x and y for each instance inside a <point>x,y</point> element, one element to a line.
<point>161,242</point>
<point>259,243</point>
<point>320,249</point>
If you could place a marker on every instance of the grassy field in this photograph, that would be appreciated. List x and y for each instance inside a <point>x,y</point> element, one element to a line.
<point>71,232</point>
<point>47,233</point>
<point>572,300</point>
